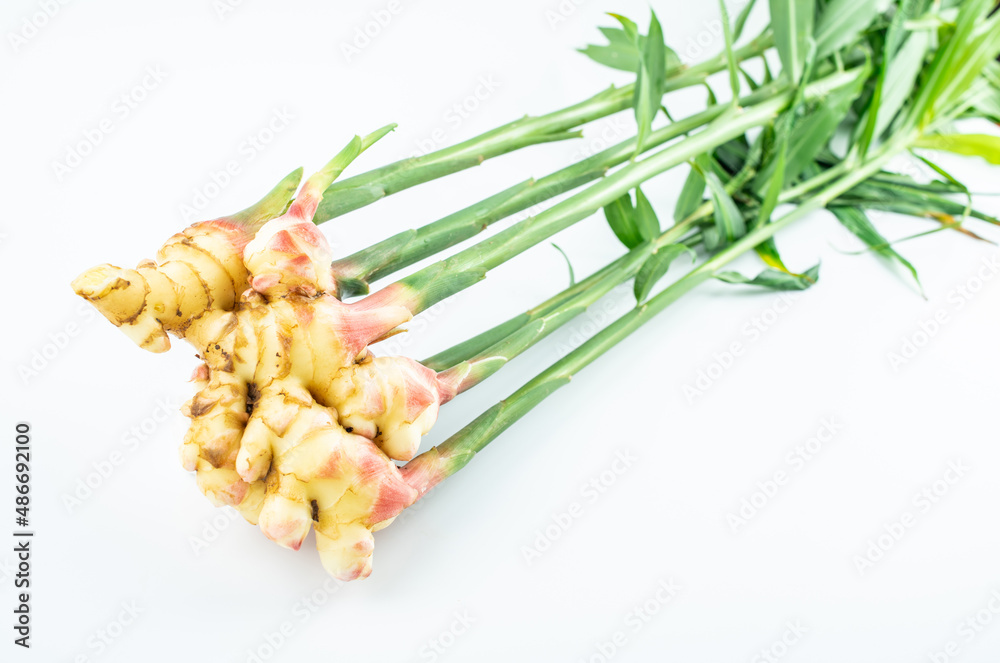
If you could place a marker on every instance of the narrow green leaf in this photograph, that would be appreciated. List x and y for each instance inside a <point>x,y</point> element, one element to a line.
<point>948,176</point>
<point>857,222</point>
<point>900,78</point>
<point>621,217</point>
<point>842,23</point>
<point>712,99</point>
<point>622,53</point>
<point>729,223</point>
<point>775,185</point>
<point>970,145</point>
<point>751,83</point>
<point>734,72</point>
<point>630,29</point>
<point>319,181</point>
<point>655,268</point>
<point>768,74</point>
<point>988,106</point>
<point>376,136</point>
<point>616,56</point>
<point>692,193</point>
<point>812,133</point>
<point>644,107</point>
<point>958,62</point>
<point>792,22</point>
<point>270,206</point>
<point>646,221</point>
<point>616,36</point>
<point>741,19</point>
<point>651,79</point>
<point>569,265</point>
<point>774,279</point>
<point>732,155</point>
<point>654,57</point>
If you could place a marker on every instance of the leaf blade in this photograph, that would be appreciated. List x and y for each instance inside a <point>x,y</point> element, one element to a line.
<point>655,268</point>
<point>792,22</point>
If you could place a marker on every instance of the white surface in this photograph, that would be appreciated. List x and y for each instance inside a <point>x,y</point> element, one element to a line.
<point>663,518</point>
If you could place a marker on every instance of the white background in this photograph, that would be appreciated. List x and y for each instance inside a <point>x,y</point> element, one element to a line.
<point>135,539</point>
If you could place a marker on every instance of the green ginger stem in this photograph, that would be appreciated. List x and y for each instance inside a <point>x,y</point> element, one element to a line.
<point>453,454</point>
<point>361,190</point>
<point>469,363</point>
<point>442,279</point>
<point>356,271</point>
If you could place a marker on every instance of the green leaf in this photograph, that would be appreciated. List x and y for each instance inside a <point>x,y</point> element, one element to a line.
<point>270,206</point>
<point>319,181</point>
<point>621,217</point>
<point>971,145</point>
<point>857,222</point>
<point>811,134</point>
<point>775,185</point>
<point>792,22</point>
<point>774,279</point>
<point>655,268</point>
<point>616,36</point>
<point>569,265</point>
<point>729,223</point>
<point>734,72</point>
<point>712,100</point>
<point>768,250</point>
<point>988,106</point>
<point>646,221</point>
<point>654,57</point>
<point>900,78</point>
<point>692,193</point>
<point>623,57</point>
<point>842,23</point>
<point>622,53</point>
<point>956,65</point>
<point>631,30</point>
<point>751,83</point>
<point>893,38</point>
<point>741,19</point>
<point>652,82</point>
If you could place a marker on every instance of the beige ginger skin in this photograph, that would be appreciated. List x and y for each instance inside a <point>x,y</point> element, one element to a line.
<point>295,423</point>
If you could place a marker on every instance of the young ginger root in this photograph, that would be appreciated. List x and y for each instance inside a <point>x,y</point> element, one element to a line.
<point>295,423</point>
